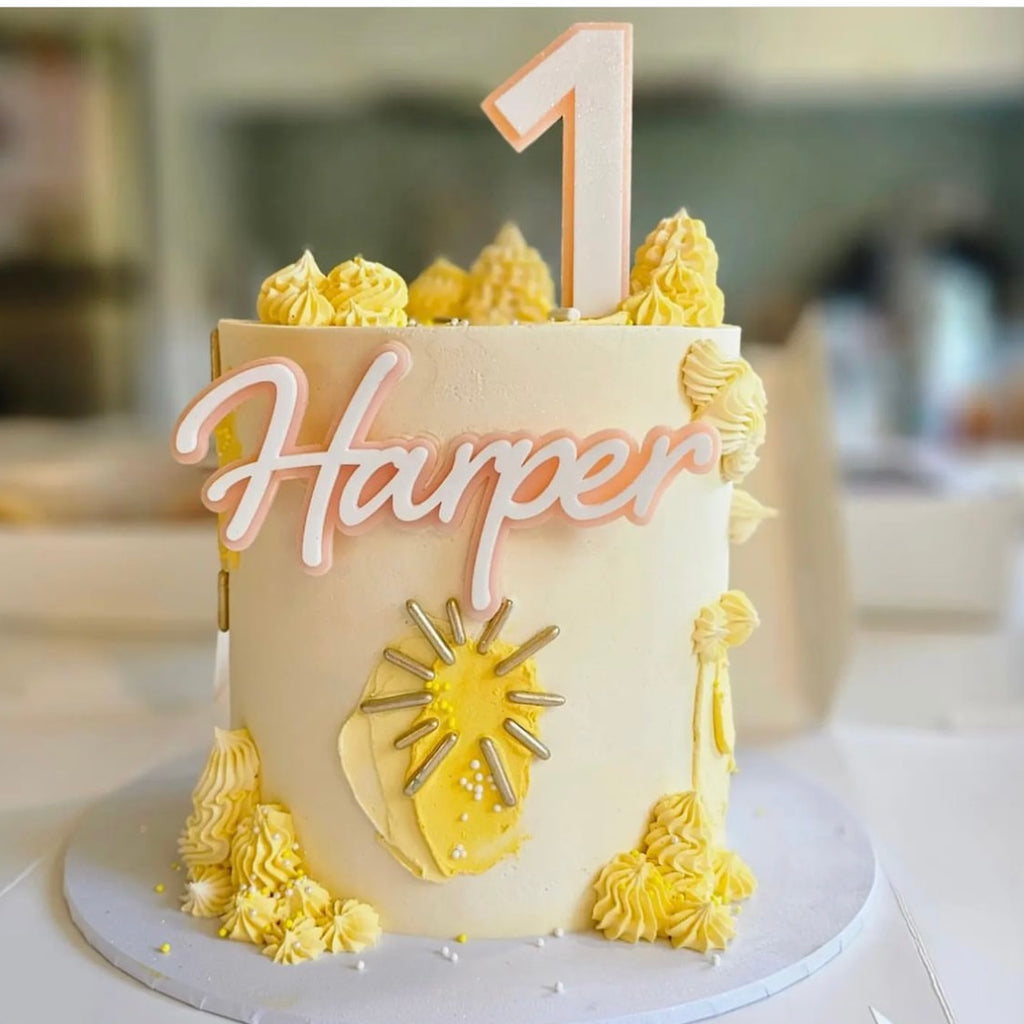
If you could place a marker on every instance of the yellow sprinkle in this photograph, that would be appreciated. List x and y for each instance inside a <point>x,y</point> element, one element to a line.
<point>159,887</point>
<point>462,937</point>
<point>165,948</point>
<point>430,685</point>
<point>175,866</point>
<point>223,933</point>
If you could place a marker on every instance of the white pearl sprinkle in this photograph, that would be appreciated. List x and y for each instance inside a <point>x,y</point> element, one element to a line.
<point>289,891</point>
<point>286,862</point>
<point>360,965</point>
<point>558,933</point>
<point>716,959</point>
<point>559,987</point>
<point>463,780</point>
<point>454,958</point>
<point>446,952</point>
<point>474,765</point>
<point>497,808</point>
<point>478,796</point>
<point>479,777</point>
<point>277,837</point>
<point>539,943</point>
<point>464,816</point>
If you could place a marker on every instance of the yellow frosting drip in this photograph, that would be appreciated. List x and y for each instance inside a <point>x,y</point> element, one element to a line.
<point>305,896</point>
<point>634,899</point>
<point>293,296</point>
<point>733,879</point>
<point>701,925</point>
<point>351,926</point>
<point>674,276</point>
<point>295,941</point>
<point>366,294</point>
<point>208,891</point>
<point>226,791</point>
<point>509,281</point>
<point>728,394</point>
<point>746,514</point>
<point>438,292</point>
<point>263,850</point>
<point>251,916</point>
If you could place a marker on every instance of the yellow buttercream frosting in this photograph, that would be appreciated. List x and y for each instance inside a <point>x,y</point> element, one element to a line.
<point>295,940</point>
<point>677,837</point>
<point>294,297</point>
<point>306,896</point>
<point>509,281</point>
<point>250,916</point>
<point>226,792</point>
<point>746,514</point>
<point>634,899</point>
<point>728,394</point>
<point>741,617</point>
<point>438,293</point>
<point>350,926</point>
<point>701,925</point>
<point>208,891</point>
<point>366,294</point>
<point>263,849</point>
<point>673,280</point>
<point>733,879</point>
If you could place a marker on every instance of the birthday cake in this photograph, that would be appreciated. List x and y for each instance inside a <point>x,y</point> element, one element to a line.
<point>474,563</point>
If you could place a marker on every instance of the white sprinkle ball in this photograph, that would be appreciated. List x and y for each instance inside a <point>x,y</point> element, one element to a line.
<point>558,933</point>
<point>497,808</point>
<point>277,837</point>
<point>478,795</point>
<point>446,952</point>
<point>559,987</point>
<point>454,958</point>
<point>464,816</point>
<point>716,959</point>
<point>474,765</point>
<point>539,943</point>
<point>479,777</point>
<point>360,965</point>
<point>463,780</point>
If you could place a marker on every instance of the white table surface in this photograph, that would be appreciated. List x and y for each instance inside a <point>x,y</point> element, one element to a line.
<point>81,715</point>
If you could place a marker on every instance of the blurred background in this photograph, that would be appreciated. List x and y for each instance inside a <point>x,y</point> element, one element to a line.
<point>861,171</point>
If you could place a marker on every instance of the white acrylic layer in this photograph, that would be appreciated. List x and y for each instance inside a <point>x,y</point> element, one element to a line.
<point>814,861</point>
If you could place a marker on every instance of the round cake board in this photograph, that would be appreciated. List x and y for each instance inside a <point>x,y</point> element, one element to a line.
<point>814,863</point>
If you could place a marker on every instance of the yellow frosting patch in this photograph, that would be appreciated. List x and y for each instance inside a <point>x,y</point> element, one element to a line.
<point>438,293</point>
<point>701,925</point>
<point>509,281</point>
<point>634,899</point>
<point>674,276</point>
<point>250,916</point>
<point>366,294</point>
<point>350,926</point>
<point>208,891</point>
<point>226,792</point>
<point>728,394</point>
<point>746,514</point>
<point>295,940</point>
<point>293,296</point>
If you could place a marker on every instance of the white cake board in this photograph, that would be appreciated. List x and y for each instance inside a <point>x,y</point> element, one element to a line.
<point>814,862</point>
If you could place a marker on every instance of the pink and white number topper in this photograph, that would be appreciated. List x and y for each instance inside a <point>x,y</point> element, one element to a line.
<point>354,482</point>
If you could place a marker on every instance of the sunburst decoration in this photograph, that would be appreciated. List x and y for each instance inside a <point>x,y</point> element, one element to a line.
<point>474,733</point>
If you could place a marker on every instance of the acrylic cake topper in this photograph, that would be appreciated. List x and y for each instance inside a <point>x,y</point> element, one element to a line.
<point>354,482</point>
<point>584,78</point>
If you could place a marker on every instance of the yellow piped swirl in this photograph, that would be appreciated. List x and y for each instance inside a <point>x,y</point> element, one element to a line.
<point>634,899</point>
<point>226,792</point>
<point>250,916</point>
<point>746,514</point>
<point>263,849</point>
<point>509,281</point>
<point>677,838</point>
<point>295,941</point>
<point>351,926</point>
<point>438,293</point>
<point>701,925</point>
<point>208,891</point>
<point>674,277</point>
<point>366,294</point>
<point>728,394</point>
<point>293,296</point>
<point>733,878</point>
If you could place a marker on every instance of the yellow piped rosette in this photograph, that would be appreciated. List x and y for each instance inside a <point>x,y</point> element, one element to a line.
<point>294,296</point>
<point>366,294</point>
<point>674,277</point>
<point>245,866</point>
<point>439,293</point>
<point>509,281</point>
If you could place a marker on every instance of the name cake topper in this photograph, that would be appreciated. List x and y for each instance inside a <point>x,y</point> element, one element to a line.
<point>521,480</point>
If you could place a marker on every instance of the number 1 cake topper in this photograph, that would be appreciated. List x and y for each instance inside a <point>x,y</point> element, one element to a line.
<point>584,78</point>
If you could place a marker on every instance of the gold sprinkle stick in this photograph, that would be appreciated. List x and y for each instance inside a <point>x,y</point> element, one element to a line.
<point>526,650</point>
<point>417,732</point>
<point>493,626</point>
<point>526,738</point>
<point>455,621</point>
<point>223,600</point>
<point>429,630</point>
<point>501,780</point>
<point>431,764</point>
<point>397,701</point>
<point>417,668</point>
<point>537,700</point>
